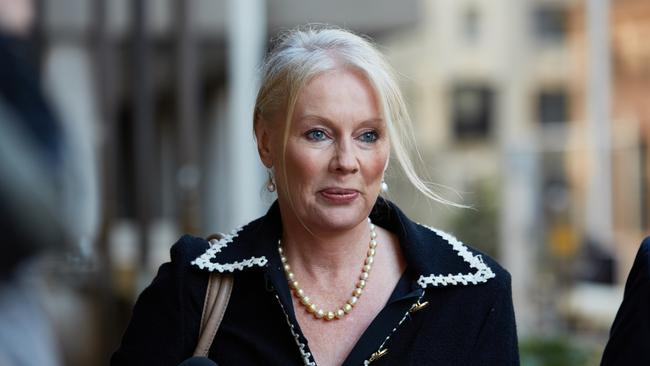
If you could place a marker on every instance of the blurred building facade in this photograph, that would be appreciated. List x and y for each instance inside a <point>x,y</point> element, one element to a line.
<point>630,119</point>
<point>490,84</point>
<point>505,106</point>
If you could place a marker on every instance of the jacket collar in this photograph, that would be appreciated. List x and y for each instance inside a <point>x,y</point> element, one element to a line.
<point>437,258</point>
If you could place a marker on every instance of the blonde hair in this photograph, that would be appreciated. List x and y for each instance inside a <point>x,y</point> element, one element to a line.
<point>300,54</point>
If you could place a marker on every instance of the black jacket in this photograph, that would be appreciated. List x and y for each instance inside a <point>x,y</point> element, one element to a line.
<point>468,318</point>
<point>629,338</point>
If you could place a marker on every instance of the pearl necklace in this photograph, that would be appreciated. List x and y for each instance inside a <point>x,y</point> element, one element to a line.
<point>317,311</point>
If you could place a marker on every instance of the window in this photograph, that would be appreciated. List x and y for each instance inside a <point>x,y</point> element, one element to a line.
<point>472,106</point>
<point>552,106</point>
<point>471,25</point>
<point>550,23</point>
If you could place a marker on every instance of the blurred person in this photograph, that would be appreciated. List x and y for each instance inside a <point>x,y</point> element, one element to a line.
<point>34,166</point>
<point>31,139</point>
<point>630,334</point>
<point>333,273</point>
<point>30,155</point>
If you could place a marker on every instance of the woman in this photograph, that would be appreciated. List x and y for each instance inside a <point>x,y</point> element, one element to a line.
<point>333,274</point>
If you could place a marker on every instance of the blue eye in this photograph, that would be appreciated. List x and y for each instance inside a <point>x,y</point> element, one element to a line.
<point>369,136</point>
<point>316,135</point>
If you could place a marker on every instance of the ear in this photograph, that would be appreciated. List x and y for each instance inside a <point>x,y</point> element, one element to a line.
<point>263,138</point>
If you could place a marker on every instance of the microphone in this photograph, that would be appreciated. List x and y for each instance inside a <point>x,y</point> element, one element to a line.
<point>198,361</point>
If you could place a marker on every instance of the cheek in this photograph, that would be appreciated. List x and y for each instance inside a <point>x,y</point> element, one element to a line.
<point>375,170</point>
<point>375,164</point>
<point>302,165</point>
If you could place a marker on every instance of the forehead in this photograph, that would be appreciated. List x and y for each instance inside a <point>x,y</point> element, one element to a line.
<point>338,93</point>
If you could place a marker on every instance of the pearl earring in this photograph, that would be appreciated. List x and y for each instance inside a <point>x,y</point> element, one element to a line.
<point>384,186</point>
<point>270,185</point>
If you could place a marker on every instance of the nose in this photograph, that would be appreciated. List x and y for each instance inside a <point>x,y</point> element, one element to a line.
<point>345,160</point>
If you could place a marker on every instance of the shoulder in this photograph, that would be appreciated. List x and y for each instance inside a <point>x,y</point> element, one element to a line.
<point>452,262</point>
<point>179,273</point>
<point>179,268</point>
<point>498,287</point>
<point>501,275</point>
<point>186,249</point>
<point>469,292</point>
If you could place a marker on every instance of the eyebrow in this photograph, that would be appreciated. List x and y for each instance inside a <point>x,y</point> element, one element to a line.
<point>327,120</point>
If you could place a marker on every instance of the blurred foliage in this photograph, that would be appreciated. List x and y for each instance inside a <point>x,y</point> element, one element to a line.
<point>478,226</point>
<point>555,351</point>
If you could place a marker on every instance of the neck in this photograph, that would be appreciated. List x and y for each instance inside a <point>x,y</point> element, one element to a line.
<point>329,253</point>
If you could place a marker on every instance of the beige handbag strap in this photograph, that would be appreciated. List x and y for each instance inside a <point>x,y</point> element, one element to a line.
<point>217,295</point>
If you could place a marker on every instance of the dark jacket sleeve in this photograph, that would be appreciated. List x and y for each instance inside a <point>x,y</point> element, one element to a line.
<point>630,334</point>
<point>164,325</point>
<point>497,341</point>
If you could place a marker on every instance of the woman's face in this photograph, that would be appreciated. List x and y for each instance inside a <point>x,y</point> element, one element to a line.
<point>336,152</point>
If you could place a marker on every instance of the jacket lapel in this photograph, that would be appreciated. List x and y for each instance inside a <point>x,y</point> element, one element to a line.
<point>438,258</point>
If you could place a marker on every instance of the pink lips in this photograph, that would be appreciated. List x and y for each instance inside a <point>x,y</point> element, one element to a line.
<point>339,195</point>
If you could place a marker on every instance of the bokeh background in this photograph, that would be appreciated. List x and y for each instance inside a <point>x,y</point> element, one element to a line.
<point>534,112</point>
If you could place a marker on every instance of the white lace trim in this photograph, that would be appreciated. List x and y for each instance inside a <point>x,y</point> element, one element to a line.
<point>306,356</point>
<point>482,274</point>
<point>204,261</point>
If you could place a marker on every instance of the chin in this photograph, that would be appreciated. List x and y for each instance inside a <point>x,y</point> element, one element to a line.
<point>340,218</point>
